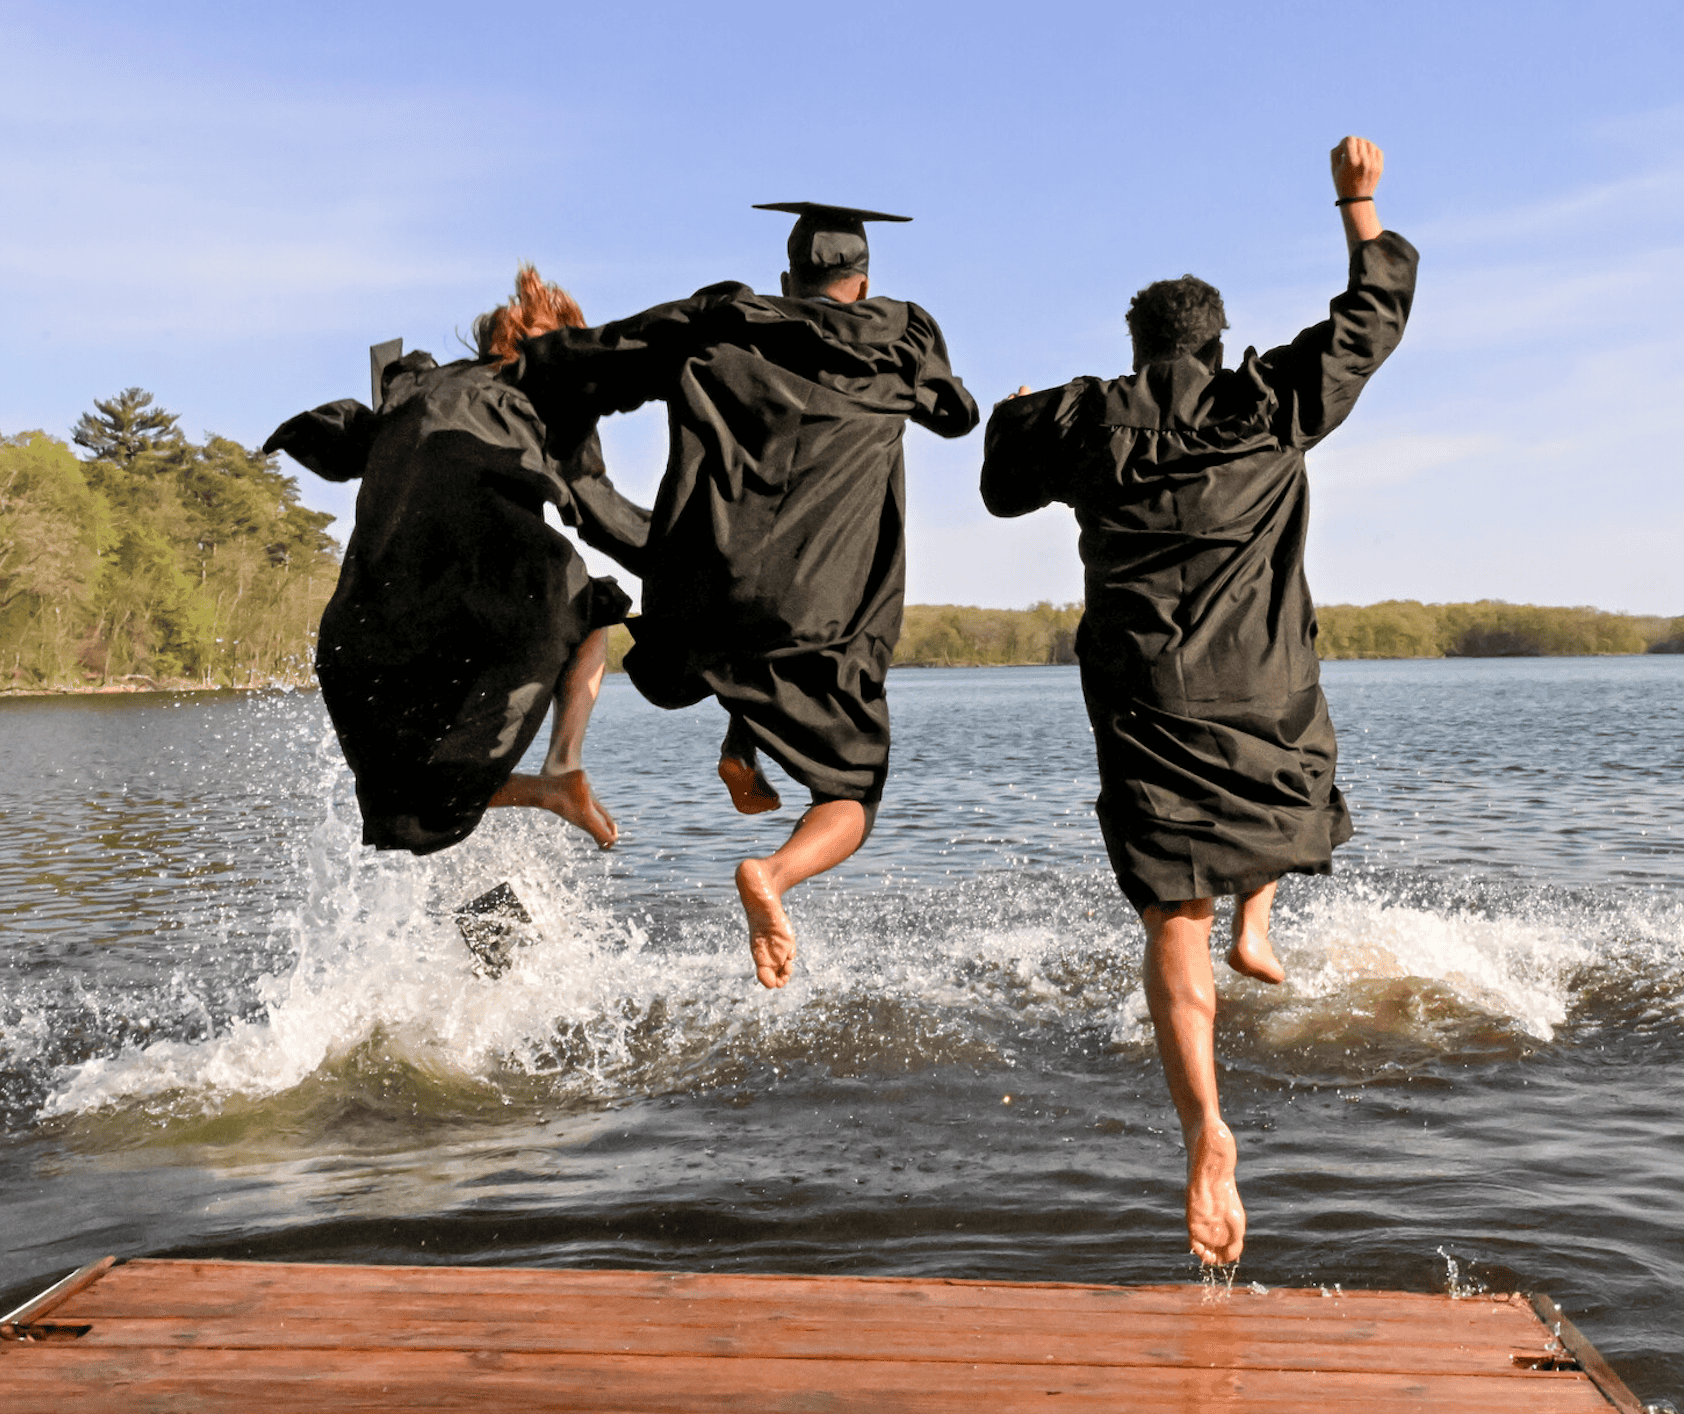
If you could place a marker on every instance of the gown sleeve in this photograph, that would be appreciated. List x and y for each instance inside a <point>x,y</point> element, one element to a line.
<point>1031,448</point>
<point>588,501</point>
<point>608,522</point>
<point>575,376</point>
<point>333,440</point>
<point>1317,377</point>
<point>944,405</point>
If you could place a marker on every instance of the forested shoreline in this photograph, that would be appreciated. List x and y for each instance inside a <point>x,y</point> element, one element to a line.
<point>950,635</point>
<point>958,636</point>
<point>155,562</point>
<point>1490,628</point>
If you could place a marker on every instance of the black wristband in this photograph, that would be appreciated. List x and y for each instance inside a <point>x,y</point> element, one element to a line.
<point>1348,200</point>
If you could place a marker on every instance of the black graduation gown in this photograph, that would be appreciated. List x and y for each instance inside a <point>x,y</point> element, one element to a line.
<point>776,563</point>
<point>457,607</point>
<point>1197,645</point>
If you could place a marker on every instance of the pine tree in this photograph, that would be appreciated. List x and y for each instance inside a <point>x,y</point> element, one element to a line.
<point>126,426</point>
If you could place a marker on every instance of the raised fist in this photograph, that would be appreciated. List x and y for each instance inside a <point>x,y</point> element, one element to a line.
<point>1357,164</point>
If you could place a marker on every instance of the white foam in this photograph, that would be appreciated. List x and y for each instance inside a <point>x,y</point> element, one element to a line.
<point>378,956</point>
<point>595,1008</point>
<point>1520,969</point>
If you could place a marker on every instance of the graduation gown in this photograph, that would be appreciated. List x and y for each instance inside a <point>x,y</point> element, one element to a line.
<point>457,607</point>
<point>776,564</point>
<point>1197,644</point>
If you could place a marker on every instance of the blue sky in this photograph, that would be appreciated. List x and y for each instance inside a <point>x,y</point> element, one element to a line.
<point>227,204</point>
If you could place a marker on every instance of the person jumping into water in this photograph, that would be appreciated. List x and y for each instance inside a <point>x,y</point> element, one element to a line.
<point>1197,644</point>
<point>777,556</point>
<point>460,614</point>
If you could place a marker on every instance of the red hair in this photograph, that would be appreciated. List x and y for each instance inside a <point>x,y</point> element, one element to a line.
<point>536,308</point>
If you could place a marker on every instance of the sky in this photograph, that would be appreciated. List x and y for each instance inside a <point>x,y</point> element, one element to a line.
<point>227,204</point>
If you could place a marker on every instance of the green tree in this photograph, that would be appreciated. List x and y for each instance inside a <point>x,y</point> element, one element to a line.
<point>123,427</point>
<point>53,529</point>
<point>1488,628</point>
<point>155,557</point>
<point>155,624</point>
<point>954,635</point>
<point>1398,628</point>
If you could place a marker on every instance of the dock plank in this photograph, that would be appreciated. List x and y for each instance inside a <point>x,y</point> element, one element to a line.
<point>284,1381</point>
<point>203,1336</point>
<point>1263,1347</point>
<point>216,1288</point>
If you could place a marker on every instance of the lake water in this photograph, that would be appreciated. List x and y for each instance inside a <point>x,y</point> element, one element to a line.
<point>228,1030</point>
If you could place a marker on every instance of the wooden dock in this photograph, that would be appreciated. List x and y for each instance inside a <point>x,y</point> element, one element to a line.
<point>186,1336</point>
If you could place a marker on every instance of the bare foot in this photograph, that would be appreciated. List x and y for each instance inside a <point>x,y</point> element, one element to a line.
<point>751,792</point>
<point>1215,1219</point>
<point>770,938</point>
<point>568,795</point>
<point>1251,956</point>
<point>577,804</point>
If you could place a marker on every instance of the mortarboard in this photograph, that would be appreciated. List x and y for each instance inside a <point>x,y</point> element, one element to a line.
<point>828,240</point>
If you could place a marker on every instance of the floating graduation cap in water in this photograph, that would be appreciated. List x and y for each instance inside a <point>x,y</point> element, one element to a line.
<point>493,926</point>
<point>828,240</point>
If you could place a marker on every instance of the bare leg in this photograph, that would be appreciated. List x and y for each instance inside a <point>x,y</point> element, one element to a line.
<point>561,786</point>
<point>1181,993</point>
<point>1251,954</point>
<point>739,768</point>
<point>826,835</point>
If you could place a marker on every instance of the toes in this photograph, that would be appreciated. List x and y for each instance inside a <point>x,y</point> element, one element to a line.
<point>773,966</point>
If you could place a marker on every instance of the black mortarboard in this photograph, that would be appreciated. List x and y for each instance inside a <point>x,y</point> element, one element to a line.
<point>828,240</point>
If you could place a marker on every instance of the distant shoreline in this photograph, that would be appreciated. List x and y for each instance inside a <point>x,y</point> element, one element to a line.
<point>1675,648</point>
<point>1044,635</point>
<point>128,688</point>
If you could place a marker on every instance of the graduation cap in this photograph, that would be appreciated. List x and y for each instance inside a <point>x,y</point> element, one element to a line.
<point>828,240</point>
<point>493,926</point>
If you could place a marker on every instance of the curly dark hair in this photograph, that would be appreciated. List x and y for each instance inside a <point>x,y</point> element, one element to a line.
<point>1170,318</point>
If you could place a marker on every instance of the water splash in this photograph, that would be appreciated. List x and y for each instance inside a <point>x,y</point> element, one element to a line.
<point>1454,1286</point>
<point>378,960</point>
<point>643,989</point>
<point>615,1003</point>
<point>1516,967</point>
<point>1217,1280</point>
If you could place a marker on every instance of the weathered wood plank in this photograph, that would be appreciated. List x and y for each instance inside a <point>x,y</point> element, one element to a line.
<point>959,1290</point>
<point>1574,1342</point>
<point>139,1288</point>
<point>1346,1320</point>
<point>1238,1345</point>
<point>64,1380</point>
<point>55,1295</point>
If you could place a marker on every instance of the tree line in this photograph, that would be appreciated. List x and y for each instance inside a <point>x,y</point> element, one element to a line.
<point>1490,628</point>
<point>948,635</point>
<point>939,635</point>
<point>956,636</point>
<point>154,560</point>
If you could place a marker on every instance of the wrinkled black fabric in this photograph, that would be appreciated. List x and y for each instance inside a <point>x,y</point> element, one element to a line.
<point>457,607</point>
<point>776,564</point>
<point>1197,642</point>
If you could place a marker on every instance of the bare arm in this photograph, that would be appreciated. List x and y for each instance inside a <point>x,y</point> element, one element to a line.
<point>1357,164</point>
